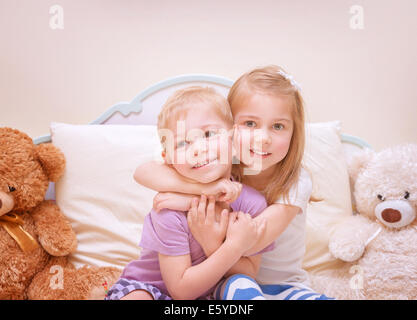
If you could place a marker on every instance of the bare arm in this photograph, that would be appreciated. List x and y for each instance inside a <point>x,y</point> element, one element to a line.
<point>163,178</point>
<point>173,201</point>
<point>278,217</point>
<point>246,265</point>
<point>186,282</point>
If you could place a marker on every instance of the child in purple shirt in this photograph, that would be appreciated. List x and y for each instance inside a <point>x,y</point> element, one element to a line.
<point>167,232</point>
<point>172,263</point>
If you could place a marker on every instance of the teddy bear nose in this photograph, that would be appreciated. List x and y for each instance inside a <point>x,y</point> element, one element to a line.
<point>391,215</point>
<point>1,204</point>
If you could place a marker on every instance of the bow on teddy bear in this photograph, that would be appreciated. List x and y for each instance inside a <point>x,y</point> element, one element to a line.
<point>13,224</point>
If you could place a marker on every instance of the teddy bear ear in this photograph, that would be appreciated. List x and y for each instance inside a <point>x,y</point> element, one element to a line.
<point>51,159</point>
<point>358,162</point>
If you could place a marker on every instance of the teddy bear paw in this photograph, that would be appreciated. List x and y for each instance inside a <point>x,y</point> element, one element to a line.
<point>346,251</point>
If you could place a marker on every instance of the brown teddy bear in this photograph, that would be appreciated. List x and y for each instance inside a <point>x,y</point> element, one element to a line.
<point>378,246</point>
<point>35,237</point>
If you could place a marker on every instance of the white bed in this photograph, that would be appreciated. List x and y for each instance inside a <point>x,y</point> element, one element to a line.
<point>107,237</point>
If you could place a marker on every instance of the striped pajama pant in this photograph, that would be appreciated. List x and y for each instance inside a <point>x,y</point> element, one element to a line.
<point>243,287</point>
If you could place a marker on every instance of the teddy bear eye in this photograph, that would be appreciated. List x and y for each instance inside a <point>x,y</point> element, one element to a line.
<point>380,197</point>
<point>407,195</point>
<point>11,189</point>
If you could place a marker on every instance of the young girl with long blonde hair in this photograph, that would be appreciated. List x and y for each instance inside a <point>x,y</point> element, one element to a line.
<point>269,137</point>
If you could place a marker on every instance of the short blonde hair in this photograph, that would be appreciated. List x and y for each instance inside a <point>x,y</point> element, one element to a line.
<point>183,100</point>
<point>269,80</point>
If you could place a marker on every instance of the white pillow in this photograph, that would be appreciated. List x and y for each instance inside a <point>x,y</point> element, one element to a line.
<point>106,206</point>
<point>325,160</point>
<point>97,192</point>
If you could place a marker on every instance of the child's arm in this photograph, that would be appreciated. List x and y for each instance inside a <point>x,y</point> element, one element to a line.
<point>172,201</point>
<point>246,265</point>
<point>278,217</point>
<point>185,281</point>
<point>162,178</point>
<point>280,214</point>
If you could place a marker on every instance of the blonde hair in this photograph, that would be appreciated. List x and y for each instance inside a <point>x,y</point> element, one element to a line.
<point>183,100</point>
<point>270,80</point>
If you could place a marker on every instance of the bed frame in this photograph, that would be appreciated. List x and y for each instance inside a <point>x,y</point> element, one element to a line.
<point>145,106</point>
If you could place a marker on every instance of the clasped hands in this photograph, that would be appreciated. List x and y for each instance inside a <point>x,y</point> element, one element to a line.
<point>212,226</point>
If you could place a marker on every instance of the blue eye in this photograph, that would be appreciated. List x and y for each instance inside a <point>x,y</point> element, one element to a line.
<point>250,124</point>
<point>278,126</point>
<point>182,144</point>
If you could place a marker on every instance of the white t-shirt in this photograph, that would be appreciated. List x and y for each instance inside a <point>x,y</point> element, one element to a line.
<point>284,263</point>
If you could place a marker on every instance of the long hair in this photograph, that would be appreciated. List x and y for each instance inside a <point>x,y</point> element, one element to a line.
<point>270,80</point>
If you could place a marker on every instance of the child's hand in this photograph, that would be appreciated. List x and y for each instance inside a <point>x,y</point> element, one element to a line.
<point>205,228</point>
<point>224,190</point>
<point>243,231</point>
<point>172,200</point>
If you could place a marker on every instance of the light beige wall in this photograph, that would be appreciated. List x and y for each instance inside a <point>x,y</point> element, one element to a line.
<point>108,51</point>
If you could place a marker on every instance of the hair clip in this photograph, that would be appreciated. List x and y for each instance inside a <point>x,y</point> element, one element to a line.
<point>290,78</point>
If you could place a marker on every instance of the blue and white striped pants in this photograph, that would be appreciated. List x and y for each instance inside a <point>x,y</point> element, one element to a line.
<point>243,287</point>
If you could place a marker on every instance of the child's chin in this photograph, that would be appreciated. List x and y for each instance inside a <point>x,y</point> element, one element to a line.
<point>210,176</point>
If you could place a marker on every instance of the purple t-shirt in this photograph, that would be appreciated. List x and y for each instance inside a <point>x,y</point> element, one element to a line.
<point>167,233</point>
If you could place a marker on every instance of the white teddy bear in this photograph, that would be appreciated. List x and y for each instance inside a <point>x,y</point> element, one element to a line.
<point>379,244</point>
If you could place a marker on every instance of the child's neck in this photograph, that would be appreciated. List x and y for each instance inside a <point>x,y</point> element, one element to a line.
<point>259,181</point>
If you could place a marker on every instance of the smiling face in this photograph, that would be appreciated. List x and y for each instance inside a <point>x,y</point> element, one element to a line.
<point>386,186</point>
<point>201,146</point>
<point>268,124</point>
<point>267,103</point>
